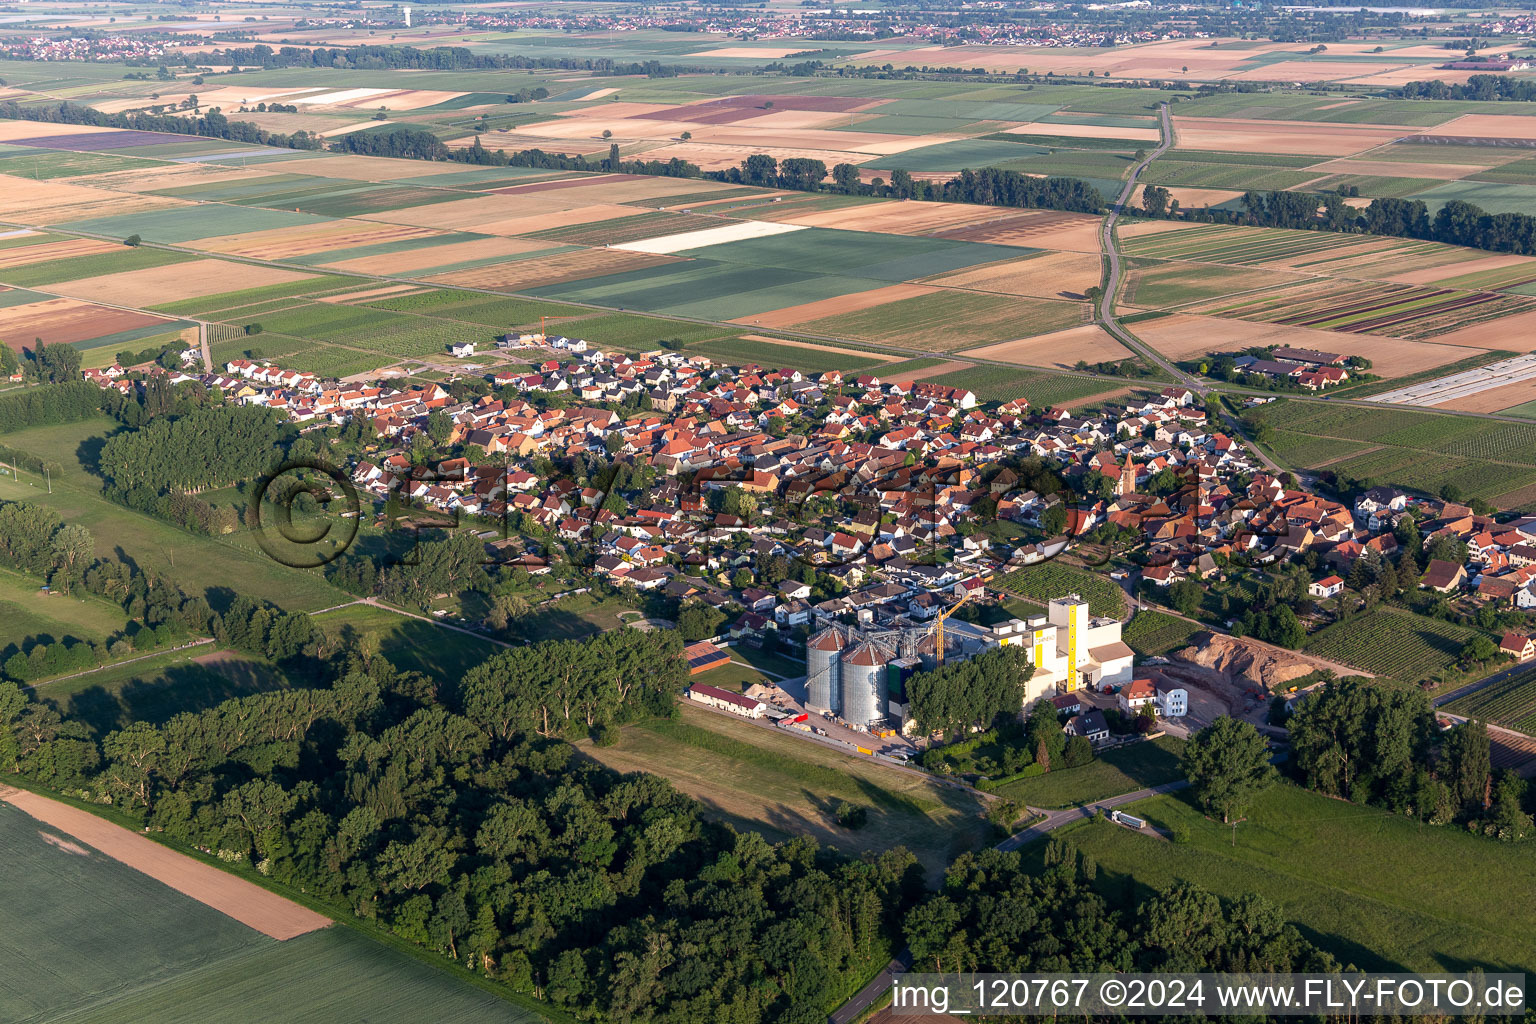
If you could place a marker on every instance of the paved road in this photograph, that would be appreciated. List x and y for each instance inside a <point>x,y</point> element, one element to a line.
<point>1056,819</point>
<point>1112,285</point>
<point>1487,681</point>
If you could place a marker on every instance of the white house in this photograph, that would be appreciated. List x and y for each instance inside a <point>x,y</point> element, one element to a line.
<point>1172,701</point>
<point>1326,587</point>
<point>462,349</point>
<point>1137,694</point>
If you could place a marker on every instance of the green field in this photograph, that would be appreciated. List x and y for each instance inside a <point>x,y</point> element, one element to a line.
<point>182,224</point>
<point>26,612</point>
<point>1057,579</point>
<point>1372,887</point>
<point>409,643</point>
<point>89,939</point>
<point>806,360</point>
<point>1044,390</point>
<point>197,563</point>
<point>1392,642</point>
<point>781,785</point>
<point>44,164</point>
<point>949,321</point>
<point>117,262</point>
<point>1122,770</point>
<point>1304,450</point>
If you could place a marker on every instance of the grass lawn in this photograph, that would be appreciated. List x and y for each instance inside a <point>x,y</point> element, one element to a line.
<point>784,785</point>
<point>411,644</point>
<point>223,566</point>
<point>92,939</point>
<point>27,612</point>
<point>774,662</point>
<point>1375,889</point>
<point>158,687</point>
<point>734,676</point>
<point>1125,770</point>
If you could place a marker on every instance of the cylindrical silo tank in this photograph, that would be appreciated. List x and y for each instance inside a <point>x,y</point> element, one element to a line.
<point>823,670</point>
<point>864,684</point>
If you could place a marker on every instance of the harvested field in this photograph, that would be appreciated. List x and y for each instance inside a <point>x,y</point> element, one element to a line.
<point>1398,169</point>
<point>1497,399</point>
<point>636,224</point>
<point>329,236</point>
<point>556,269</point>
<point>1050,275</point>
<point>484,214</point>
<point>65,320</point>
<point>1433,275</point>
<point>376,168</point>
<point>548,220</point>
<point>234,897</point>
<point>1186,336</point>
<point>167,176</point>
<point>21,255</point>
<point>897,218</point>
<point>175,282</point>
<point>949,321</point>
<point>411,260</point>
<point>1238,135</point>
<point>1035,229</point>
<point>1060,349</point>
<point>1516,333</point>
<point>1486,126</point>
<point>1155,285</point>
<point>835,306</point>
<point>52,202</point>
<point>766,52</point>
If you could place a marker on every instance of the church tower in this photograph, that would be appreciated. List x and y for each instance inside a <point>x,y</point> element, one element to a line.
<point>1127,477</point>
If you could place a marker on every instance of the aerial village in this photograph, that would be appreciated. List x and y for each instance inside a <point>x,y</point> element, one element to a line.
<point>907,497</point>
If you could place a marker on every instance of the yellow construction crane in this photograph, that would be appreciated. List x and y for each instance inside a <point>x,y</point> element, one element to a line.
<point>938,626</point>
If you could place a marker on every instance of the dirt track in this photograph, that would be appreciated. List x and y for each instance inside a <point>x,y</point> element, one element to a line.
<point>244,901</point>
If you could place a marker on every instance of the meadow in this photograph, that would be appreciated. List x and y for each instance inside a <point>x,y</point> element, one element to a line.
<point>1122,770</point>
<point>199,564</point>
<point>92,939</point>
<point>781,785</point>
<point>27,613</point>
<point>1373,888</point>
<point>410,644</point>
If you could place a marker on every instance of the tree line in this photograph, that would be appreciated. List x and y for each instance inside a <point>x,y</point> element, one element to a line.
<point>1456,223</point>
<point>375,57</point>
<point>608,895</point>
<point>1382,746</point>
<point>211,124</point>
<point>1477,87</point>
<point>954,697</point>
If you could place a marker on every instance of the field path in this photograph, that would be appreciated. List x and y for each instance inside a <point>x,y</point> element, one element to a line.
<point>244,901</point>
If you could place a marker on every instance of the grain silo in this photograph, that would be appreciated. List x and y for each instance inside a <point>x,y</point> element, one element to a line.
<point>864,686</point>
<point>823,670</point>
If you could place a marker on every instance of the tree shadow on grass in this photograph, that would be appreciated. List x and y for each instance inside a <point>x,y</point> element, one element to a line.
<point>179,688</point>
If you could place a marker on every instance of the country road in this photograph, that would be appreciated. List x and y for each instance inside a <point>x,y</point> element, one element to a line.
<point>1112,284</point>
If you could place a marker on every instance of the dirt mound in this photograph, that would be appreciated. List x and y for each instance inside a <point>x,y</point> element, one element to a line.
<point>1244,662</point>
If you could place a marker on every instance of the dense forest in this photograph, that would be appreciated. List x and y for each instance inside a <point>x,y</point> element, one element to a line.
<point>373,57</point>
<point>1455,223</point>
<point>994,915</point>
<point>510,854</point>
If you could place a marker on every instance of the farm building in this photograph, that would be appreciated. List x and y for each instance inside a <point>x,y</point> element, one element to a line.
<point>1443,577</point>
<point>725,700</point>
<point>703,656</point>
<point>1306,356</point>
